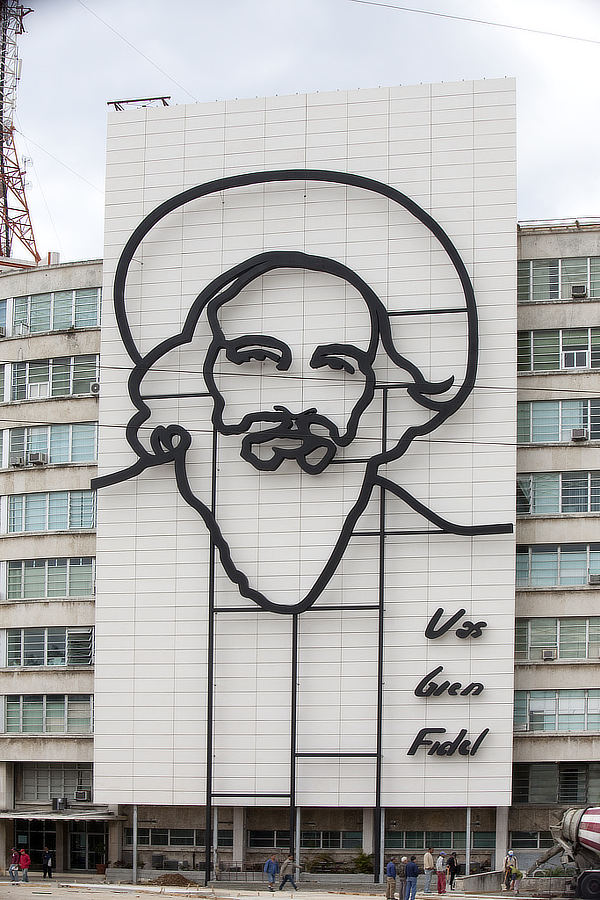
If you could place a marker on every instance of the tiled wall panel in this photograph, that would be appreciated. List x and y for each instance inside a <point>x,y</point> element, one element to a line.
<point>451,149</point>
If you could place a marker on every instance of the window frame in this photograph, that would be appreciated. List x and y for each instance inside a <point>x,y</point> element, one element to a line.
<point>22,505</point>
<point>526,279</point>
<point>24,310</point>
<point>70,636</point>
<point>47,706</point>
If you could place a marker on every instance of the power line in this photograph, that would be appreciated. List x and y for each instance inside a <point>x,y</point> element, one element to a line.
<point>439,15</point>
<point>60,162</point>
<point>137,50</point>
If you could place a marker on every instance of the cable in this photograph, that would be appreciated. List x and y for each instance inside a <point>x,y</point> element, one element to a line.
<point>40,185</point>
<point>60,162</point>
<point>428,12</point>
<point>137,50</point>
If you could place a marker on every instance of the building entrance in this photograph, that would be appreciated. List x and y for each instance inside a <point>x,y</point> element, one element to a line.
<point>87,844</point>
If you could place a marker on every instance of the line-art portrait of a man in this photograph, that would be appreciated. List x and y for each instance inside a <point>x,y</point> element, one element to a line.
<point>303,368</point>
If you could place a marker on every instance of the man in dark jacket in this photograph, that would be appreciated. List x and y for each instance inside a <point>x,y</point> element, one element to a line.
<point>412,871</point>
<point>390,880</point>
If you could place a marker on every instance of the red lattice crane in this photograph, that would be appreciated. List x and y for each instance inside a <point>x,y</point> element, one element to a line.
<point>15,221</point>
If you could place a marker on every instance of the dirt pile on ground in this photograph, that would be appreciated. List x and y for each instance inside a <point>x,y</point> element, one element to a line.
<point>173,879</point>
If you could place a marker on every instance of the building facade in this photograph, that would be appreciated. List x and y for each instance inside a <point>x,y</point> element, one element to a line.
<point>204,692</point>
<point>50,320</point>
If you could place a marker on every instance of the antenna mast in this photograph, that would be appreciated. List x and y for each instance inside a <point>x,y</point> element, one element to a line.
<point>15,221</point>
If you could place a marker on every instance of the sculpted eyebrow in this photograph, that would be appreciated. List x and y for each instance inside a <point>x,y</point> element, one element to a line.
<point>258,347</point>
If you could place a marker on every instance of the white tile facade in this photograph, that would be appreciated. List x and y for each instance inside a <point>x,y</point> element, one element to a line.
<point>451,149</point>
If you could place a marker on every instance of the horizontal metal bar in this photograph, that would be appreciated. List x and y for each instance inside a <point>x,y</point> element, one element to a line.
<point>407,531</point>
<point>221,794</point>
<point>173,396</point>
<point>342,607</point>
<point>428,312</point>
<point>336,755</point>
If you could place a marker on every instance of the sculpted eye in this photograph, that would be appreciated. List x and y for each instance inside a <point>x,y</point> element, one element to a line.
<point>336,357</point>
<point>258,347</point>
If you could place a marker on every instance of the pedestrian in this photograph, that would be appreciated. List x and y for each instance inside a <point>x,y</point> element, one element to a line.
<point>451,867</point>
<point>440,867</point>
<point>390,880</point>
<point>401,877</point>
<point>24,863</point>
<point>47,863</point>
<point>412,871</point>
<point>271,868</point>
<point>510,866</point>
<point>287,872</point>
<point>429,869</point>
<point>13,866</point>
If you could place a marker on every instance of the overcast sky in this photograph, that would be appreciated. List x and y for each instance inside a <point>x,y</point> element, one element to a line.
<point>78,54</point>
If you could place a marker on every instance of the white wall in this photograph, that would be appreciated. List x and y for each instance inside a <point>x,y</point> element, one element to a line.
<point>451,149</point>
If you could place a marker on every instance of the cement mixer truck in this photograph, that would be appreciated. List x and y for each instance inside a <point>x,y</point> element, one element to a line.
<point>577,838</point>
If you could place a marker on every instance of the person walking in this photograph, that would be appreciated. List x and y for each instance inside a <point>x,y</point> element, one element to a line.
<point>440,867</point>
<point>390,880</point>
<point>287,872</point>
<point>271,868</point>
<point>13,866</point>
<point>401,877</point>
<point>24,863</point>
<point>451,867</point>
<point>510,867</point>
<point>47,863</point>
<point>429,869</point>
<point>412,871</point>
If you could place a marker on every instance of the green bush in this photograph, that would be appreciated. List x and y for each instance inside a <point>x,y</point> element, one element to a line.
<point>363,863</point>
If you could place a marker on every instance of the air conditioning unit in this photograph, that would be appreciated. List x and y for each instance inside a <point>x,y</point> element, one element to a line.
<point>578,291</point>
<point>22,329</point>
<point>17,461</point>
<point>593,579</point>
<point>38,391</point>
<point>548,653</point>
<point>579,434</point>
<point>520,726</point>
<point>2,331</point>
<point>83,795</point>
<point>36,458</point>
<point>95,388</point>
<point>59,803</point>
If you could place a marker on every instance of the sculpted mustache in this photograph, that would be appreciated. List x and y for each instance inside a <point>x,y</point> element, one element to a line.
<point>295,427</point>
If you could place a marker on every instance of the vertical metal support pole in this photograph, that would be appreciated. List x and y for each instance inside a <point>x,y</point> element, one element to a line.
<point>293,730</point>
<point>379,822</point>
<point>298,826</point>
<point>210,666</point>
<point>134,843</point>
<point>215,840</point>
<point>468,843</point>
<point>382,846</point>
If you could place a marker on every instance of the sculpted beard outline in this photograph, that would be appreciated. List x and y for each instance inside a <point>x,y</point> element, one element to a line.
<point>171,443</point>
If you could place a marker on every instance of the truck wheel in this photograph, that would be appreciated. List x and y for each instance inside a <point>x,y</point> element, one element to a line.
<point>589,885</point>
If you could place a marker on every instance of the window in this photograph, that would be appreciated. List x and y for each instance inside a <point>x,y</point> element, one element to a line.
<point>455,840</point>
<point>61,443</point>
<point>556,782</point>
<point>43,781</point>
<point>551,493</point>
<point>556,349</point>
<point>570,638</point>
<point>563,710</point>
<point>31,579</point>
<point>268,839</point>
<point>58,377</point>
<point>180,837</point>
<point>56,311</point>
<point>48,713</point>
<point>553,279</point>
<point>52,511</point>
<point>551,565</point>
<point>553,421</point>
<point>70,646</point>
<point>523,840</point>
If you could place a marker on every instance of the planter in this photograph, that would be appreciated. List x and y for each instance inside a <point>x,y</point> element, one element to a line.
<point>100,868</point>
